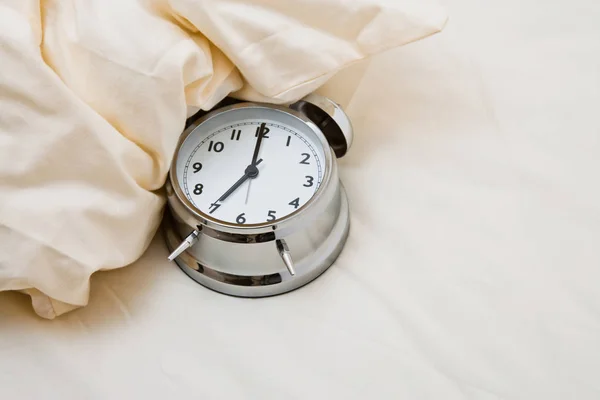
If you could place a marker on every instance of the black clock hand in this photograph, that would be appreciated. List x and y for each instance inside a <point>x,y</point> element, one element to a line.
<point>248,192</point>
<point>258,142</point>
<point>251,172</point>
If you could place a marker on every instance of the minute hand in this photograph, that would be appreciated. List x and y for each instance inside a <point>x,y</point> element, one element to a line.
<point>258,142</point>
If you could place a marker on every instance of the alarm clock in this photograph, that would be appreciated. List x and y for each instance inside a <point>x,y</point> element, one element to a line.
<point>255,206</point>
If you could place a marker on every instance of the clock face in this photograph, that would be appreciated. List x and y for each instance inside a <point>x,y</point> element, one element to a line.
<point>250,165</point>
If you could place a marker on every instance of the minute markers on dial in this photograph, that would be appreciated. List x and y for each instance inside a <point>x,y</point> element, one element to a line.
<point>283,178</point>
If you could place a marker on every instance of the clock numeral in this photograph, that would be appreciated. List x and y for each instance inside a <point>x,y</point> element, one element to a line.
<point>295,202</point>
<point>218,147</point>
<point>235,134</point>
<point>216,206</point>
<point>305,160</point>
<point>197,167</point>
<point>309,181</point>
<point>265,131</point>
<point>271,215</point>
<point>287,144</point>
<point>240,218</point>
<point>198,189</point>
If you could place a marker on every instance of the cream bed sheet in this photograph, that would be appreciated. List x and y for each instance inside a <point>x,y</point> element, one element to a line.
<point>472,266</point>
<point>94,96</point>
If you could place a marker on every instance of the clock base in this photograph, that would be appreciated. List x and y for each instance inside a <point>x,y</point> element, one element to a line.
<point>269,284</point>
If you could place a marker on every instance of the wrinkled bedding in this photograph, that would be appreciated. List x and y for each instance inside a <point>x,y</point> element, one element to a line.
<point>472,266</point>
<point>94,95</point>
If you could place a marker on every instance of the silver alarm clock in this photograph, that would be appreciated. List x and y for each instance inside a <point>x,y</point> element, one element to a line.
<point>255,203</point>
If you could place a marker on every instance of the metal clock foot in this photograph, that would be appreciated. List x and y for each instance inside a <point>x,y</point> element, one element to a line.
<point>307,268</point>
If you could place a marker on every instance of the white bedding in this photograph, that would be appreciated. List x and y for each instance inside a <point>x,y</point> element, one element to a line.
<point>105,86</point>
<point>472,266</point>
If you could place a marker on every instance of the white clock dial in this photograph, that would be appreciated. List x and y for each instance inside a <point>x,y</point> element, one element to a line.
<point>222,177</point>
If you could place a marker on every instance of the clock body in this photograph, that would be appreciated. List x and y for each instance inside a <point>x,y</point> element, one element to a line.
<point>255,204</point>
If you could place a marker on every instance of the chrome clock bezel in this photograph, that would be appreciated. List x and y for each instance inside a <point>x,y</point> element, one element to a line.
<point>215,225</point>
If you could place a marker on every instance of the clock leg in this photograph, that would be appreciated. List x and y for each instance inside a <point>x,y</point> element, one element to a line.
<point>286,256</point>
<point>188,242</point>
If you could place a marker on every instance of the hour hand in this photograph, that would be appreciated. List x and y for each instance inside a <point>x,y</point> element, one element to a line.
<point>251,172</point>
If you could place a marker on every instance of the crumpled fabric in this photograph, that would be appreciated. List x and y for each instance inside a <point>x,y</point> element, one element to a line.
<point>95,93</point>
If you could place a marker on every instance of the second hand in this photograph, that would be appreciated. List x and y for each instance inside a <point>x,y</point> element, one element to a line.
<point>248,192</point>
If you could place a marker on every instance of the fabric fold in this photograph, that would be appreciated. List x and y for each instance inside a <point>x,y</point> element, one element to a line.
<point>96,93</point>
